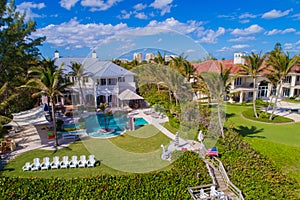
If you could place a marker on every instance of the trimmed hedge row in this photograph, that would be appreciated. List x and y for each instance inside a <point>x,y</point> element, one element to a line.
<point>254,174</point>
<point>169,184</point>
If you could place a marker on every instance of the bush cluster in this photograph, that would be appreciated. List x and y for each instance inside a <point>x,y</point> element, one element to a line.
<point>168,184</point>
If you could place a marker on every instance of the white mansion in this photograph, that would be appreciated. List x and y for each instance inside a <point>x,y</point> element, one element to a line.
<point>242,86</point>
<point>103,83</point>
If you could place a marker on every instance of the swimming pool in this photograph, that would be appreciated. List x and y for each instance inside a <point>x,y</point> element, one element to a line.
<point>94,123</point>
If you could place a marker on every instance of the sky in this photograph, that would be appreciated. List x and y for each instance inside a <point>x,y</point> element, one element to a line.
<point>193,28</point>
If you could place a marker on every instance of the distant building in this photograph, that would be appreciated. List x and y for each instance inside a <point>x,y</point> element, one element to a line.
<point>138,57</point>
<point>168,58</point>
<point>150,56</point>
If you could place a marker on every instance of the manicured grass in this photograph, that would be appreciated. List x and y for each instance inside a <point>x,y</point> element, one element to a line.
<point>292,100</point>
<point>279,142</point>
<point>119,155</point>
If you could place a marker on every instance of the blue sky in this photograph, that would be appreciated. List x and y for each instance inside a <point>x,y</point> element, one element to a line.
<point>192,27</point>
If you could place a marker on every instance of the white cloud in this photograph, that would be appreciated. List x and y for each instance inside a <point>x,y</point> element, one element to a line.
<point>211,36</point>
<point>224,49</point>
<point>190,51</point>
<point>163,5</point>
<point>246,16</point>
<point>28,6</point>
<point>245,21</point>
<point>124,15</point>
<point>296,16</point>
<point>240,46</point>
<point>141,16</point>
<point>275,14</point>
<point>67,4</point>
<point>99,5</point>
<point>288,46</point>
<point>253,29</point>
<point>140,6</point>
<point>276,31</point>
<point>241,39</point>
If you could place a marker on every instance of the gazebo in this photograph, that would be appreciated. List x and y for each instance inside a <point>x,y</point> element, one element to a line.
<point>130,98</point>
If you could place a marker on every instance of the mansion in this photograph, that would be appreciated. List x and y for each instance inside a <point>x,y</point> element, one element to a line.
<point>104,81</point>
<point>242,86</point>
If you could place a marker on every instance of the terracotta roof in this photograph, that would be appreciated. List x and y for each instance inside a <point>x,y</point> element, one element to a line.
<point>214,66</point>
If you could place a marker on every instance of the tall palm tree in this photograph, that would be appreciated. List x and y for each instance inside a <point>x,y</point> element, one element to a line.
<point>280,64</point>
<point>219,84</point>
<point>47,80</point>
<point>183,66</point>
<point>79,73</point>
<point>254,66</point>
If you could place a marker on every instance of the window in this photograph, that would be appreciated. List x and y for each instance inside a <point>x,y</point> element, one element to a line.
<point>112,81</point>
<point>297,78</point>
<point>286,92</point>
<point>238,81</point>
<point>287,79</point>
<point>102,81</point>
<point>85,79</point>
<point>121,79</point>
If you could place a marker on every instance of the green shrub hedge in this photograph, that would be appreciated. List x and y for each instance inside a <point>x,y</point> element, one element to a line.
<point>169,184</point>
<point>254,174</point>
<point>264,116</point>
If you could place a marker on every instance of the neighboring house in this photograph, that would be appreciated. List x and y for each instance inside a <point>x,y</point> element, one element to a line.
<point>242,87</point>
<point>103,83</point>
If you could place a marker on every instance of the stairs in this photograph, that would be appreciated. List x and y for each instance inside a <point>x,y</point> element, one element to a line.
<point>218,179</point>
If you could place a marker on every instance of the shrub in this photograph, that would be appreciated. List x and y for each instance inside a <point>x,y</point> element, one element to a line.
<point>264,116</point>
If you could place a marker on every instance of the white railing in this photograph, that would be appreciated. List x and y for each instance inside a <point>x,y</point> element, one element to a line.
<point>218,164</point>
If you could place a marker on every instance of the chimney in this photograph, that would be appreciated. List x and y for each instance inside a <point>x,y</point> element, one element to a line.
<point>94,54</point>
<point>56,54</point>
<point>239,58</point>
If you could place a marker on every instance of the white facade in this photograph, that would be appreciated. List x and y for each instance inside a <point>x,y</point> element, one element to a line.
<point>103,83</point>
<point>238,58</point>
<point>138,57</point>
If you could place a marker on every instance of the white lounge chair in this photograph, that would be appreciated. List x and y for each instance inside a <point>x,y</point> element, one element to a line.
<point>65,162</point>
<point>55,164</point>
<point>46,163</point>
<point>36,165</point>
<point>82,162</point>
<point>91,162</point>
<point>216,194</point>
<point>27,166</point>
<point>203,195</point>
<point>74,162</point>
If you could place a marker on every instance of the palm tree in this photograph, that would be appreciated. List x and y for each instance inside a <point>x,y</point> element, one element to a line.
<point>47,80</point>
<point>254,66</point>
<point>218,85</point>
<point>159,59</point>
<point>106,115</point>
<point>280,64</point>
<point>183,66</point>
<point>78,72</point>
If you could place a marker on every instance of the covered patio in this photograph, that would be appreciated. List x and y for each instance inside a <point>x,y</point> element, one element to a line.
<point>131,99</point>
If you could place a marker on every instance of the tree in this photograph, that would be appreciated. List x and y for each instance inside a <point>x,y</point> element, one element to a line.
<point>106,115</point>
<point>78,72</point>
<point>183,66</point>
<point>254,66</point>
<point>280,64</point>
<point>159,59</point>
<point>47,80</point>
<point>218,85</point>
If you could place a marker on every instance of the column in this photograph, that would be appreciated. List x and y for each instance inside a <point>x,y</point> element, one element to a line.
<point>241,96</point>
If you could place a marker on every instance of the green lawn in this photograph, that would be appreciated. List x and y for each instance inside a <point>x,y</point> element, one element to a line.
<point>137,151</point>
<point>279,142</point>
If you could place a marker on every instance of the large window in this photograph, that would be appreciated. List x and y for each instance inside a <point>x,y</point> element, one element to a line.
<point>112,81</point>
<point>238,81</point>
<point>85,79</point>
<point>287,79</point>
<point>102,81</point>
<point>286,92</point>
<point>121,79</point>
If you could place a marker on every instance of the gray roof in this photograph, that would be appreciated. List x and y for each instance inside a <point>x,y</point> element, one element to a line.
<point>94,66</point>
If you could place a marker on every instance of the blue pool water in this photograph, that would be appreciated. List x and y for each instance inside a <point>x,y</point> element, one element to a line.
<point>96,122</point>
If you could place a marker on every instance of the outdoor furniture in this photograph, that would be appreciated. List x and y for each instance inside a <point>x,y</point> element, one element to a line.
<point>91,162</point>
<point>36,164</point>
<point>74,162</point>
<point>46,163</point>
<point>216,194</point>
<point>203,195</point>
<point>27,166</point>
<point>55,164</point>
<point>212,152</point>
<point>65,162</point>
<point>82,162</point>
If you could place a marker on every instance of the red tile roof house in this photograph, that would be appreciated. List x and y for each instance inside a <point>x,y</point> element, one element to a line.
<point>242,86</point>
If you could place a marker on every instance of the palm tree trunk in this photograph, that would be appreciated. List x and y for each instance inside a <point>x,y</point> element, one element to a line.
<point>276,99</point>
<point>54,121</point>
<point>270,102</point>
<point>254,96</point>
<point>220,119</point>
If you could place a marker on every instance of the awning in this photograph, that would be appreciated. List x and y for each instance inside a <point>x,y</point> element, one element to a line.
<point>34,116</point>
<point>129,95</point>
